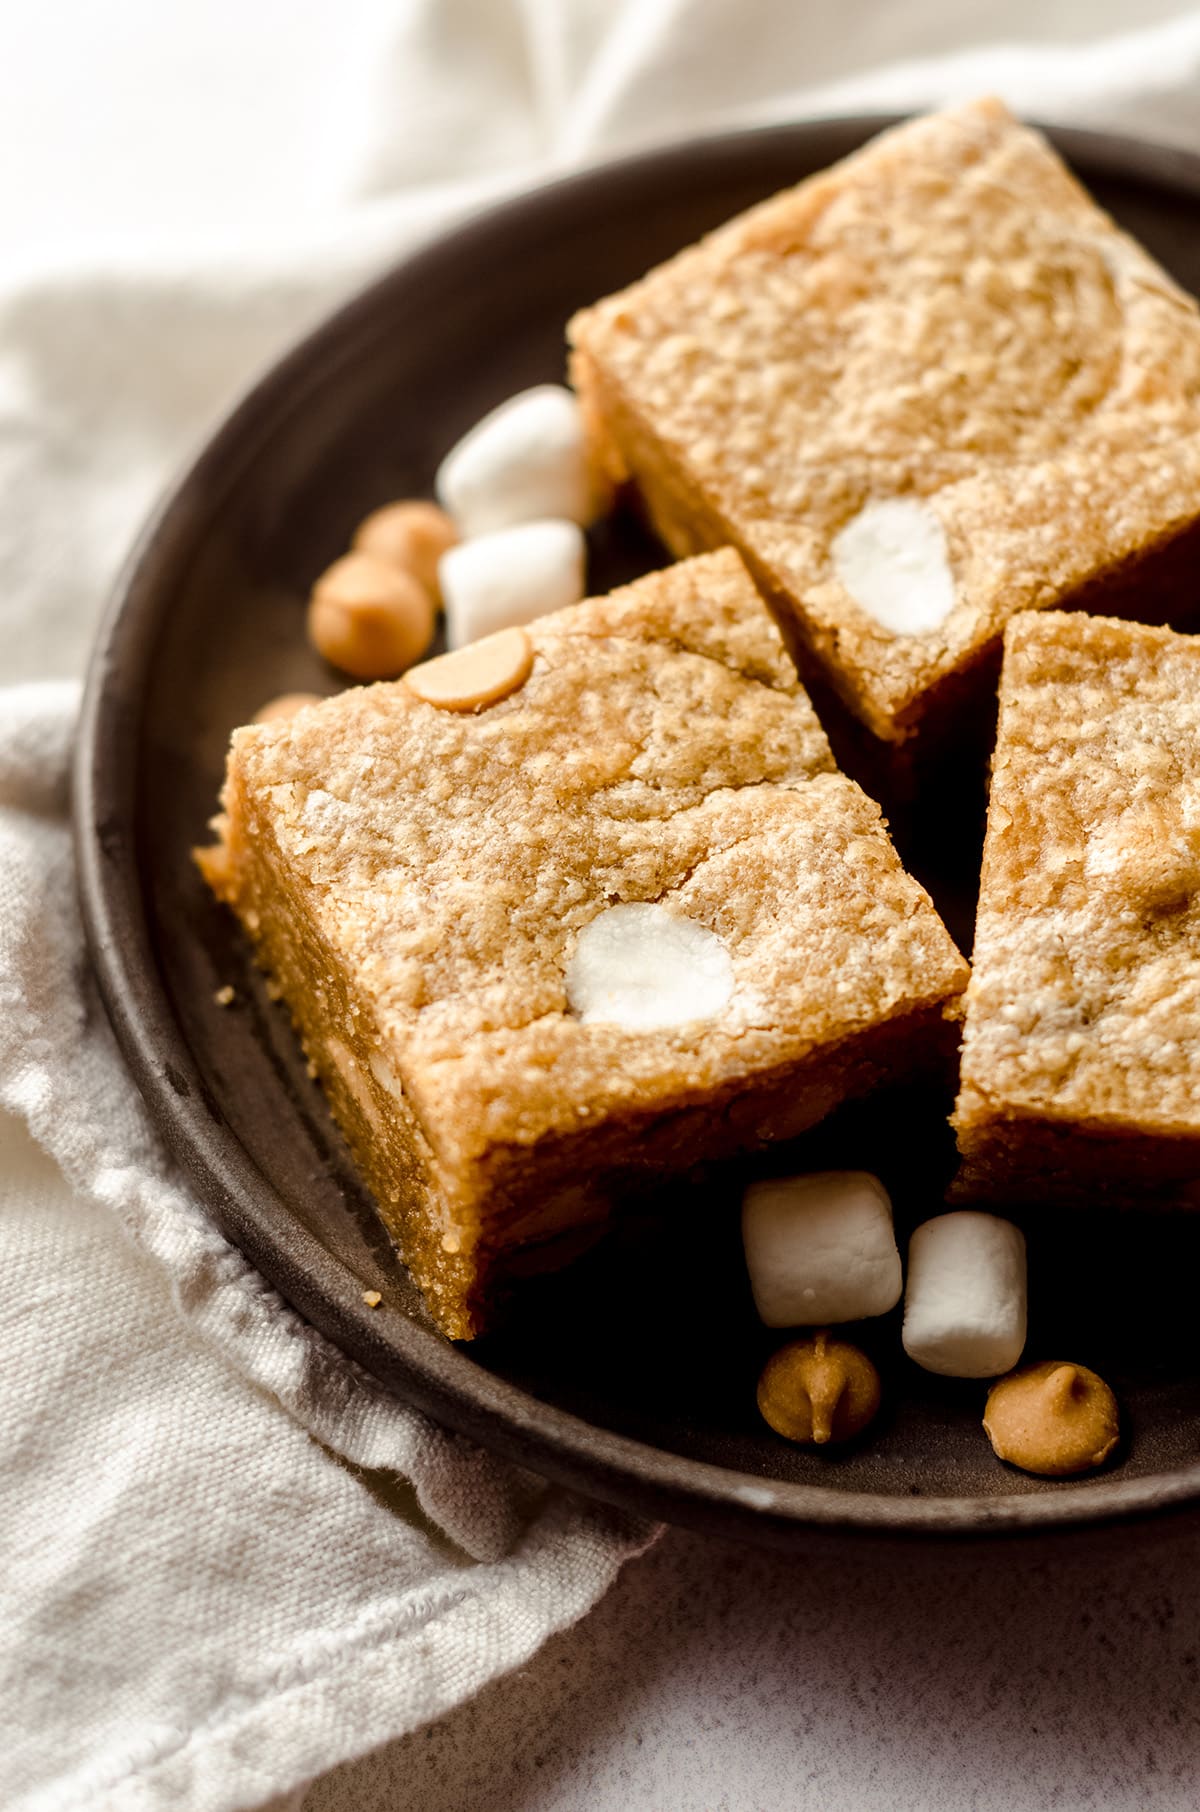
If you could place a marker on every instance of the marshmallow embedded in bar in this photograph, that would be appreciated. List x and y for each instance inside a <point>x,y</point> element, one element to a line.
<point>639,966</point>
<point>893,561</point>
<point>964,1308</point>
<point>507,579</point>
<point>527,459</point>
<point>820,1248</point>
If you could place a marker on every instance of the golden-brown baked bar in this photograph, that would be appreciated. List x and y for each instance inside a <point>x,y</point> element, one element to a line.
<point>423,883</point>
<point>925,390</point>
<point>1082,1041</point>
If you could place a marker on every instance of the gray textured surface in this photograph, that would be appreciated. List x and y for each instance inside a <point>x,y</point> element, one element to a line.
<point>717,1678</point>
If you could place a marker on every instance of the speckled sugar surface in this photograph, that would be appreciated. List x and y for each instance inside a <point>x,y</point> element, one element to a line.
<point>1085,999</point>
<point>717,1679</point>
<point>946,317</point>
<point>426,887</point>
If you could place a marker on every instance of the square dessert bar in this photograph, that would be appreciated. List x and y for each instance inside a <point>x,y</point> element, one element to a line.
<point>920,392</point>
<point>576,906</point>
<point>1082,1039</point>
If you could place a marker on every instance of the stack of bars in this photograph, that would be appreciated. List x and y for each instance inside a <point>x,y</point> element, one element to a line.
<point>589,903</point>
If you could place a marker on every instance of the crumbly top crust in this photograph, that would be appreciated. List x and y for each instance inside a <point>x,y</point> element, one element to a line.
<point>661,750</point>
<point>1084,1003</point>
<point>945,315</point>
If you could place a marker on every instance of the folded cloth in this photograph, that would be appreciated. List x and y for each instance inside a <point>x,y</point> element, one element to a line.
<point>231,1559</point>
<point>201,1604</point>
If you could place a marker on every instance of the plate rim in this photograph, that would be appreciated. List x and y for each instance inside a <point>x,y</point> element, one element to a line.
<point>415,1362</point>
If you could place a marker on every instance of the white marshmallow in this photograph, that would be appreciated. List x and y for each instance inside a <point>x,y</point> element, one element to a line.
<point>964,1309</point>
<point>820,1248</point>
<point>892,559</point>
<point>526,459</point>
<point>503,580</point>
<point>642,968</point>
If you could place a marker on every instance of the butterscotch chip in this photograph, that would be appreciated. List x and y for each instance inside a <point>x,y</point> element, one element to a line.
<point>481,674</point>
<point>1054,1418</point>
<point>924,390</point>
<point>819,1390</point>
<point>412,535</point>
<point>1081,1044</point>
<point>369,619</point>
<point>286,705</point>
<point>372,1298</point>
<point>424,883</point>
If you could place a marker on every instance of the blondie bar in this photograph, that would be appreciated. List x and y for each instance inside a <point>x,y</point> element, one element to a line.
<point>579,905</point>
<point>1082,1037</point>
<point>925,390</point>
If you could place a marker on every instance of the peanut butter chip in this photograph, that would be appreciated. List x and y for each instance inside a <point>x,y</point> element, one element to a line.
<point>818,1390</point>
<point>471,678</point>
<point>1052,1418</point>
<point>412,535</point>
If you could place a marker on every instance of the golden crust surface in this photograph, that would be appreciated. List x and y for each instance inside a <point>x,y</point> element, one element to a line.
<point>945,315</point>
<point>444,864</point>
<point>1083,1011</point>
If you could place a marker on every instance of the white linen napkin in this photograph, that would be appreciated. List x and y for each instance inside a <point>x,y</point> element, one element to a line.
<point>231,1559</point>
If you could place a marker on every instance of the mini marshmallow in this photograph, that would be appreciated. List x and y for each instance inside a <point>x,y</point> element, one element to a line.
<point>964,1309</point>
<point>505,580</point>
<point>527,459</point>
<point>892,559</point>
<point>820,1248</point>
<point>645,969</point>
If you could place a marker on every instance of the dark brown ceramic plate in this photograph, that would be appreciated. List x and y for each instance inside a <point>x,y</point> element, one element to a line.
<point>631,1378</point>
